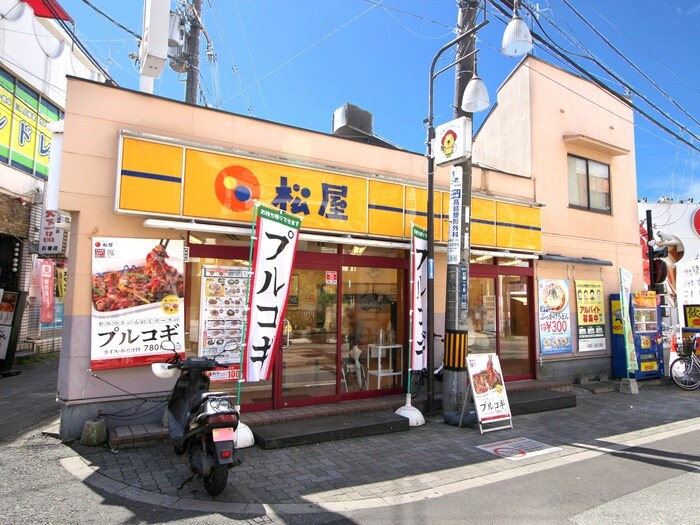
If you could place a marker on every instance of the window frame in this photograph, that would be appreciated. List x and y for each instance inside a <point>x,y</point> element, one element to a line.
<point>588,206</point>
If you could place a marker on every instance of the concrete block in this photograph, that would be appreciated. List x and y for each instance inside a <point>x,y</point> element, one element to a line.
<point>94,433</point>
<point>629,386</point>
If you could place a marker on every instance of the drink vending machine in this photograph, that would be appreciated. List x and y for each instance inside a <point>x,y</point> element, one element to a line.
<point>645,317</point>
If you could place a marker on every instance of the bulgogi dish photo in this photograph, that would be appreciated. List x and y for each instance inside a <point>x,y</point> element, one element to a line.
<point>137,285</point>
<point>487,379</point>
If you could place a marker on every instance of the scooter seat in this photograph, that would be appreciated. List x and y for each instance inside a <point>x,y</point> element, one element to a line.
<point>203,396</point>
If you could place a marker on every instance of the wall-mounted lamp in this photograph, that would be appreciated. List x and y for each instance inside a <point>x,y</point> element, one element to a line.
<point>31,197</point>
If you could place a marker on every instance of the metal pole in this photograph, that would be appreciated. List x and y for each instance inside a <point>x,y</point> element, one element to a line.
<point>192,86</point>
<point>650,249</point>
<point>431,215</point>
<point>457,275</point>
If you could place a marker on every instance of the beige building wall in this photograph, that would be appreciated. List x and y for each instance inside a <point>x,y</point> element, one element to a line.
<point>542,115</point>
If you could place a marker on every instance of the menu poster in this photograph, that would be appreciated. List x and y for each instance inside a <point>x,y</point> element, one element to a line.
<point>488,388</point>
<point>222,318</point>
<point>138,291</point>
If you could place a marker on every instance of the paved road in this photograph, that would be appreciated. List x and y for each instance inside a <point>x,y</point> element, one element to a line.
<point>28,398</point>
<point>615,459</point>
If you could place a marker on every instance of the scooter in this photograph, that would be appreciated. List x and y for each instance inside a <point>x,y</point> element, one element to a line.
<point>201,423</point>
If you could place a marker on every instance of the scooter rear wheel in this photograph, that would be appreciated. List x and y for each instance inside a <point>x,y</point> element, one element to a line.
<point>215,482</point>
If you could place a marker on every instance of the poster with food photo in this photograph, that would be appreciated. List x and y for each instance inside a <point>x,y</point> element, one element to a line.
<point>488,387</point>
<point>138,289</point>
<point>222,317</point>
<point>554,316</point>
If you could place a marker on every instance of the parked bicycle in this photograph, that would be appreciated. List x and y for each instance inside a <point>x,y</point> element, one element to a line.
<point>420,377</point>
<point>685,371</point>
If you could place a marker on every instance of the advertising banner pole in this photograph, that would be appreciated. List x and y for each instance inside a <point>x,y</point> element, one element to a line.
<point>244,436</point>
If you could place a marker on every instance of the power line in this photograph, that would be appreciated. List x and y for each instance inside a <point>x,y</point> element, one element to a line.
<point>408,13</point>
<point>77,42</point>
<point>120,26</point>
<point>310,47</point>
<point>634,66</point>
<point>555,48</point>
<point>231,59</point>
<point>659,62</point>
<point>614,76</point>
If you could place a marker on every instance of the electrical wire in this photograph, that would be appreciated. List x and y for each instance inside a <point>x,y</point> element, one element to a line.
<point>612,75</point>
<point>659,62</point>
<point>252,61</point>
<point>316,43</point>
<point>571,63</point>
<point>105,15</point>
<point>408,13</point>
<point>231,60</point>
<point>78,43</point>
<point>602,37</point>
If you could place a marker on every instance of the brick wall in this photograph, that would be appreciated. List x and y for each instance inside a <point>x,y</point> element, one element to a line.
<point>14,218</point>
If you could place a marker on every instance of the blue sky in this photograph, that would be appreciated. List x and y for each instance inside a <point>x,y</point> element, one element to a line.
<point>295,62</point>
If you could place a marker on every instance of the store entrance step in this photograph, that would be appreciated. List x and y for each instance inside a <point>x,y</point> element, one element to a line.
<point>531,401</point>
<point>332,428</point>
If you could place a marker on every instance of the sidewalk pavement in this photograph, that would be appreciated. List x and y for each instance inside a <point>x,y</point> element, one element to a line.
<point>424,462</point>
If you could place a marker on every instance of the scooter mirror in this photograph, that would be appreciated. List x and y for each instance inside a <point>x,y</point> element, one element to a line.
<point>163,371</point>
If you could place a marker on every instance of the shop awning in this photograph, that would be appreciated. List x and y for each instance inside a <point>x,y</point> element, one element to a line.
<point>576,260</point>
<point>241,230</point>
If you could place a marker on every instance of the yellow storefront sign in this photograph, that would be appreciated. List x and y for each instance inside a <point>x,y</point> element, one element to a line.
<point>164,178</point>
<point>6,103</point>
<point>225,187</point>
<point>150,177</point>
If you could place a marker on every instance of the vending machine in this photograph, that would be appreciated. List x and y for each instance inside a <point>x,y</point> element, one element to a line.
<point>645,317</point>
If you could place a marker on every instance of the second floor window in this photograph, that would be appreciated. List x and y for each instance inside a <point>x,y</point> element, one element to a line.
<point>589,184</point>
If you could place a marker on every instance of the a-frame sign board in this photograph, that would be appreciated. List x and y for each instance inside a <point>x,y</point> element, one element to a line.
<point>488,390</point>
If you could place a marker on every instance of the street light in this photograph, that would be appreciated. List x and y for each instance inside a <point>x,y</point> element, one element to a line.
<point>476,96</point>
<point>431,211</point>
<point>515,42</point>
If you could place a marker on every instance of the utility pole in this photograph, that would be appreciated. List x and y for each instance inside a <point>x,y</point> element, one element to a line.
<point>192,46</point>
<point>457,276</point>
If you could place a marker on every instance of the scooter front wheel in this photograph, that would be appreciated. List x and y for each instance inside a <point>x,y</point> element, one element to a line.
<point>215,482</point>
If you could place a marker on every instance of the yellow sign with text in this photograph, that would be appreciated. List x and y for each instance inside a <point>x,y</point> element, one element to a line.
<point>165,178</point>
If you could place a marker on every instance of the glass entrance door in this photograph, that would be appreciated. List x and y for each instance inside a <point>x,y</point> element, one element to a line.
<point>310,343</point>
<point>515,322</point>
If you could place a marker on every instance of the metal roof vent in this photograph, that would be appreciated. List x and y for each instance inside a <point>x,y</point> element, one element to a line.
<point>350,121</point>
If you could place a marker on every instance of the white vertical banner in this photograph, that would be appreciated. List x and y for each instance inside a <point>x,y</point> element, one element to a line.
<point>419,298</point>
<point>276,236</point>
